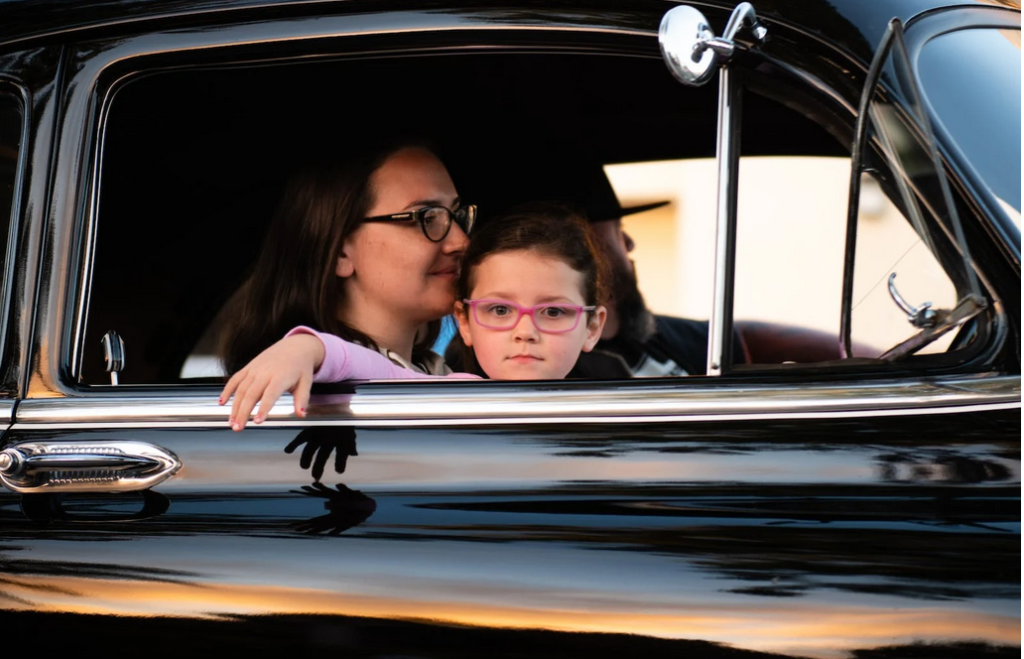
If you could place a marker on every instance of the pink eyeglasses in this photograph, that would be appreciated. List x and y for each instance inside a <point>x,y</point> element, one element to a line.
<point>547,318</point>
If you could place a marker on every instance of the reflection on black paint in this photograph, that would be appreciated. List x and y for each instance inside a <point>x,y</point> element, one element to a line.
<point>357,637</point>
<point>337,636</point>
<point>318,443</point>
<point>939,465</point>
<point>94,508</point>
<point>920,542</point>
<point>345,507</point>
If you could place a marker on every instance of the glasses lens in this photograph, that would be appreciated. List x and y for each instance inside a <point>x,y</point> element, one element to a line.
<point>555,318</point>
<point>465,217</point>
<point>435,223</point>
<point>496,315</point>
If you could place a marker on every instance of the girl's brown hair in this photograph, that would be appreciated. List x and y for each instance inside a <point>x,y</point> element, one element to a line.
<point>552,229</point>
<point>294,282</point>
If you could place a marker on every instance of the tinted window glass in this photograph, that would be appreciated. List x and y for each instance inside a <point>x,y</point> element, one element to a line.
<point>971,79</point>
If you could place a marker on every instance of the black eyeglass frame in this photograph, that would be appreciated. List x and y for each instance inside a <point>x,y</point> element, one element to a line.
<point>467,213</point>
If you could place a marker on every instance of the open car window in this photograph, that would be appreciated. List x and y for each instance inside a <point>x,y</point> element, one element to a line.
<point>193,161</point>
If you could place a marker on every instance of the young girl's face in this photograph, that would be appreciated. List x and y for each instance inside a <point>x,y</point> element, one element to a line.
<point>526,278</point>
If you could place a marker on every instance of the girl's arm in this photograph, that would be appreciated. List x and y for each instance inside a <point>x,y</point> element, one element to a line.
<point>344,360</point>
<point>292,364</point>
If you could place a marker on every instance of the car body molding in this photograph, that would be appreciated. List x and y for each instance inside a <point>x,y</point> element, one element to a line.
<point>427,404</point>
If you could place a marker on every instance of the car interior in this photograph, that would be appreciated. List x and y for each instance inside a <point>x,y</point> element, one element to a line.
<point>193,160</point>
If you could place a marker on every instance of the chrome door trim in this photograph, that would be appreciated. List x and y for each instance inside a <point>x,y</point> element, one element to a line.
<point>442,404</point>
<point>6,412</point>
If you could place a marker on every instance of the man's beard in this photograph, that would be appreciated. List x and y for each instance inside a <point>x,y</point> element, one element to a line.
<point>636,322</point>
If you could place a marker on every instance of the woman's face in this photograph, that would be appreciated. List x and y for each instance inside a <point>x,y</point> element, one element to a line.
<point>395,278</point>
<point>526,278</point>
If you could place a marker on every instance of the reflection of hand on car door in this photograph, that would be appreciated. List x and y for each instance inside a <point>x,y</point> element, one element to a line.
<point>346,508</point>
<point>320,442</point>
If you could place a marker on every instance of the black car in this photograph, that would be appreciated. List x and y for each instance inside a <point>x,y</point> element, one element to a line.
<point>862,506</point>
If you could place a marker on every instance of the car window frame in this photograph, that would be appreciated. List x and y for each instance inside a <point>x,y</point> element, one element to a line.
<point>923,29</point>
<point>9,391</point>
<point>97,79</point>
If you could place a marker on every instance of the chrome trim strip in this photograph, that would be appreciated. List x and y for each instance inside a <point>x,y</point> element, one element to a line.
<point>720,323</point>
<point>6,412</point>
<point>402,404</point>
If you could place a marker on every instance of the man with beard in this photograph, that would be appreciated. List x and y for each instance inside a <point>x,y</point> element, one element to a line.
<point>648,345</point>
<point>637,343</point>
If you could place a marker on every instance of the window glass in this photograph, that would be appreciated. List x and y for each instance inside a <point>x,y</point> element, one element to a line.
<point>179,158</point>
<point>791,235</point>
<point>971,79</point>
<point>887,244</point>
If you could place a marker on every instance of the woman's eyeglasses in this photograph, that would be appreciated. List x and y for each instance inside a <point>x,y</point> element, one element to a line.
<point>436,221</point>
<point>547,318</point>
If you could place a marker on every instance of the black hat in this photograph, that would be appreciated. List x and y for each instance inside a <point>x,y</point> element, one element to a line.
<point>596,197</point>
<point>513,181</point>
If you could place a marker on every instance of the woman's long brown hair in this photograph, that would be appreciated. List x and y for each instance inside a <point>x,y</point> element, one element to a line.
<point>293,281</point>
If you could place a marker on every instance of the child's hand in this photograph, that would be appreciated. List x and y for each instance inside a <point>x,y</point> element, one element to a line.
<point>288,365</point>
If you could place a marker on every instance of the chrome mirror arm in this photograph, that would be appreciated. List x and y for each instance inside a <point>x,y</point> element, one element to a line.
<point>744,15</point>
<point>692,53</point>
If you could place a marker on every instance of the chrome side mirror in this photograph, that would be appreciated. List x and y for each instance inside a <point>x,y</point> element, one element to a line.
<point>690,48</point>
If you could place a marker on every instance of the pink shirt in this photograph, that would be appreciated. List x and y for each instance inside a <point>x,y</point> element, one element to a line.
<point>344,360</point>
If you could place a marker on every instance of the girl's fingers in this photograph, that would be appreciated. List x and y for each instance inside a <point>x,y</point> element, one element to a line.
<point>271,393</point>
<point>300,393</point>
<point>245,399</point>
<point>238,389</point>
<point>230,387</point>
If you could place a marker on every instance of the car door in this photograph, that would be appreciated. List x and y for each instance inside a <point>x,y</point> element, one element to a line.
<point>799,511</point>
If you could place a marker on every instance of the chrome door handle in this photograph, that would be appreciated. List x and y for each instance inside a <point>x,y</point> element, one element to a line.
<point>105,466</point>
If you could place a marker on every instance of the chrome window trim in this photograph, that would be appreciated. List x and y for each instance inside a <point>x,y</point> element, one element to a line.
<point>6,412</point>
<point>7,268</point>
<point>442,404</point>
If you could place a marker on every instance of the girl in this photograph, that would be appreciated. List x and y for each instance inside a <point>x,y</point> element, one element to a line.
<point>530,297</point>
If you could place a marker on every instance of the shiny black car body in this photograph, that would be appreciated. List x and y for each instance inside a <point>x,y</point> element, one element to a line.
<point>860,507</point>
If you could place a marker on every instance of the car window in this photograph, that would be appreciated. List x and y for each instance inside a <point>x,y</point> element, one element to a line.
<point>974,64</point>
<point>790,244</point>
<point>198,158</point>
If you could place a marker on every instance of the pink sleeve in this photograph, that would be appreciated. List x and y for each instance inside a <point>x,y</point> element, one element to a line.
<point>344,360</point>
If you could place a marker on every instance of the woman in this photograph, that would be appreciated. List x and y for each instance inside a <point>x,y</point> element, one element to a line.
<point>367,250</point>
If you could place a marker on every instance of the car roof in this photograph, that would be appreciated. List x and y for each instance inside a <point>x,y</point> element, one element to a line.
<point>851,24</point>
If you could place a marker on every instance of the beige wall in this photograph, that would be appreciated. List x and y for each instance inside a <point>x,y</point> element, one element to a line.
<point>790,245</point>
